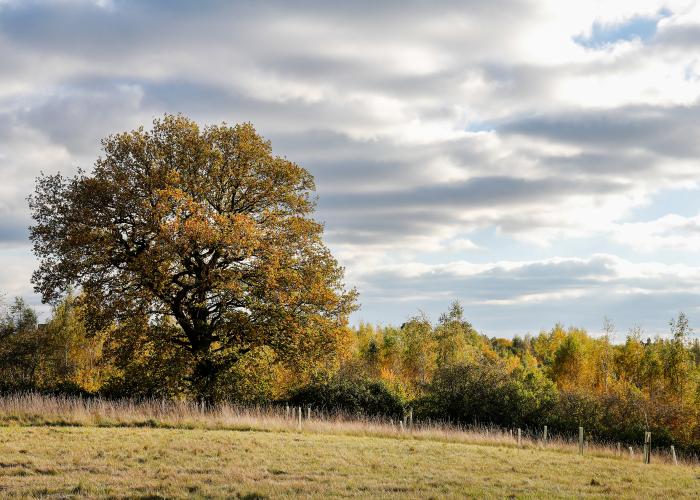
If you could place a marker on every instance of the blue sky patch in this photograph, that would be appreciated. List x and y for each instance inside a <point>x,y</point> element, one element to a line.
<point>603,35</point>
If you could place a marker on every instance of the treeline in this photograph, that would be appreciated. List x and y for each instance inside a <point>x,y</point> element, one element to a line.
<point>445,371</point>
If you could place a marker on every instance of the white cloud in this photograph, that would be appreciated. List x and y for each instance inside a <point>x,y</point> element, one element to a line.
<point>517,296</point>
<point>439,134</point>
<point>668,232</point>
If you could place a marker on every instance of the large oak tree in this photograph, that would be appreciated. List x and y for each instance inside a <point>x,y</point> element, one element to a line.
<point>203,226</point>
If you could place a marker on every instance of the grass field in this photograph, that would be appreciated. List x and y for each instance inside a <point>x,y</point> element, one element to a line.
<point>151,463</point>
<point>63,448</point>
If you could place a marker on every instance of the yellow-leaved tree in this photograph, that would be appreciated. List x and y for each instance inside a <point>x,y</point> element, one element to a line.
<point>204,226</point>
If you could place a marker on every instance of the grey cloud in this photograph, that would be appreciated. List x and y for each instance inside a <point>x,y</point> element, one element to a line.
<point>211,102</point>
<point>516,208</point>
<point>79,116</point>
<point>606,293</point>
<point>279,39</point>
<point>130,23</point>
<point>481,192</point>
<point>515,83</point>
<point>680,37</point>
<point>326,82</point>
<point>499,282</point>
<point>344,165</point>
<point>669,131</point>
<point>601,163</point>
<point>13,228</point>
<point>388,228</point>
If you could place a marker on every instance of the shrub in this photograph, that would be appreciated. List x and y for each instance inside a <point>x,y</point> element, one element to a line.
<point>485,392</point>
<point>353,396</point>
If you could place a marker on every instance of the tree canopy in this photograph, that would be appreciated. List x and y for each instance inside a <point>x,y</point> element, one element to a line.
<point>201,227</point>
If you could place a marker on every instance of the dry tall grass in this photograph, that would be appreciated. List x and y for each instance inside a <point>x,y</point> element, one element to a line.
<point>31,409</point>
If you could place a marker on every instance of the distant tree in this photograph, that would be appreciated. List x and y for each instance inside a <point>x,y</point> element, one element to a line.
<point>145,361</point>
<point>71,358</point>
<point>629,357</point>
<point>521,345</point>
<point>607,353</point>
<point>204,226</point>
<point>420,348</point>
<point>372,356</point>
<point>456,339</point>
<point>20,346</point>
<point>678,360</point>
<point>569,361</point>
<point>652,369</point>
<point>695,352</point>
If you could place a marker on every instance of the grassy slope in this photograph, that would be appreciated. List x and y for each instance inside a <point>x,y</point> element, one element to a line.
<point>92,461</point>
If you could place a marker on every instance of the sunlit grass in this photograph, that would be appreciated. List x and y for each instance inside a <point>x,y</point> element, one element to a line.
<point>32,409</point>
<point>42,461</point>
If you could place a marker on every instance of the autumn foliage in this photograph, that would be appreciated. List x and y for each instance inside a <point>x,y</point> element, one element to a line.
<point>188,265</point>
<point>561,378</point>
<point>202,236</point>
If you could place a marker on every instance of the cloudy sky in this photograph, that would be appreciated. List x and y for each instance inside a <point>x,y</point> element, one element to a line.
<point>537,160</point>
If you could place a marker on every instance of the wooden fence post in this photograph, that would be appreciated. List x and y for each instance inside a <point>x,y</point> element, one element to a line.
<point>631,452</point>
<point>308,413</point>
<point>645,450</point>
<point>544,435</point>
<point>618,449</point>
<point>287,411</point>
<point>299,416</point>
<point>647,447</point>
<point>519,437</point>
<point>673,455</point>
<point>580,440</point>
<point>410,418</point>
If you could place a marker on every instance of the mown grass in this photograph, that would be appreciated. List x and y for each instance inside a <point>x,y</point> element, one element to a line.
<point>176,463</point>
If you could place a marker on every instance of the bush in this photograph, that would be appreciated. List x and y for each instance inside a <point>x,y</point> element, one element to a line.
<point>145,363</point>
<point>578,408</point>
<point>485,392</point>
<point>352,396</point>
<point>623,414</point>
<point>251,381</point>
